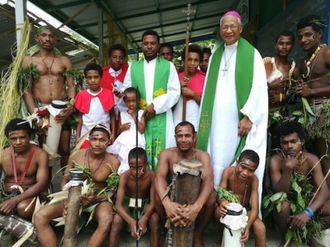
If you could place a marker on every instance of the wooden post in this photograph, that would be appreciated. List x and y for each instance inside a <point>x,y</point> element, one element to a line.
<point>188,11</point>
<point>72,218</point>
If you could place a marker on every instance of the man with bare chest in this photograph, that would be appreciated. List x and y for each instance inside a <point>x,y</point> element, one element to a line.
<point>278,70</point>
<point>202,209</point>
<point>25,166</point>
<point>315,88</point>
<point>98,161</point>
<point>284,168</point>
<point>51,84</point>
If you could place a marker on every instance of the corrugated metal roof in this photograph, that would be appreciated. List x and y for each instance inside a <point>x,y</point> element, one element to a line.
<point>131,16</point>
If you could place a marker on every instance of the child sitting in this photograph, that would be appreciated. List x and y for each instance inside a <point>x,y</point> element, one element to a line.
<point>125,203</point>
<point>94,105</point>
<point>242,181</point>
<point>127,130</point>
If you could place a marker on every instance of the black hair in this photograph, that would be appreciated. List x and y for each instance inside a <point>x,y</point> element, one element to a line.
<point>151,32</point>
<point>17,124</point>
<point>93,66</point>
<point>166,45</point>
<point>139,152</point>
<point>313,21</point>
<point>285,33</point>
<point>250,155</point>
<point>289,128</point>
<point>116,47</point>
<point>193,48</point>
<point>185,123</point>
<point>100,129</point>
<point>132,90</point>
<point>207,50</point>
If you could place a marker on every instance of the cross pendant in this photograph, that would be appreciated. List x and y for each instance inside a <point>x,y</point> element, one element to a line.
<point>224,71</point>
<point>51,81</point>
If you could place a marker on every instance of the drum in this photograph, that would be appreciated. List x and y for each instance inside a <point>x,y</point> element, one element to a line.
<point>185,191</point>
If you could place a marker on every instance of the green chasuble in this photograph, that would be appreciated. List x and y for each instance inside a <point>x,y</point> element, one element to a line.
<point>155,130</point>
<point>243,81</point>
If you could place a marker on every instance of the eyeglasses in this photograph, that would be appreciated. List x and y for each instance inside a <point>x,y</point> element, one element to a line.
<point>225,28</point>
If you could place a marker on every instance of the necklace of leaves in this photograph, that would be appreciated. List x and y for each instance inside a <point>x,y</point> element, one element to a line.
<point>97,167</point>
<point>48,68</point>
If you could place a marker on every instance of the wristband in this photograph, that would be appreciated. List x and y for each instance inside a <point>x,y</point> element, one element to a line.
<point>280,97</point>
<point>306,212</point>
<point>310,210</point>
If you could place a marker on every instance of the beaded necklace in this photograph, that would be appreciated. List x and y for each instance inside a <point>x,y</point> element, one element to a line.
<point>308,63</point>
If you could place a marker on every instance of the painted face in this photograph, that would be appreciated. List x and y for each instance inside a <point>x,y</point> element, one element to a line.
<point>184,137</point>
<point>193,63</point>
<point>117,59</point>
<point>19,140</point>
<point>245,169</point>
<point>46,39</point>
<point>205,63</point>
<point>166,53</point>
<point>142,166</point>
<point>98,142</point>
<point>292,144</point>
<point>230,30</point>
<point>93,79</point>
<point>308,39</point>
<point>284,45</point>
<point>130,100</point>
<point>150,47</point>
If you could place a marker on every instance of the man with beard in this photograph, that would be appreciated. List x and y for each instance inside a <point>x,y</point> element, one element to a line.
<point>159,88</point>
<point>51,84</point>
<point>202,209</point>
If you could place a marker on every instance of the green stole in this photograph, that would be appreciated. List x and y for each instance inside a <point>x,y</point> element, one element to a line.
<point>243,81</point>
<point>155,130</point>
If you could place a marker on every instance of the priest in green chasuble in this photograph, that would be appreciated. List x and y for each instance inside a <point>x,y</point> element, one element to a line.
<point>234,108</point>
<point>159,89</point>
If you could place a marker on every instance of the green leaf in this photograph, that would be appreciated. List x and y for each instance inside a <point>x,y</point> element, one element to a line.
<point>279,207</point>
<point>301,120</point>
<point>297,113</point>
<point>276,196</point>
<point>307,106</point>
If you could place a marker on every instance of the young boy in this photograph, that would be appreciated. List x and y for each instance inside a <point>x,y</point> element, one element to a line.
<point>125,202</point>
<point>95,104</point>
<point>242,181</point>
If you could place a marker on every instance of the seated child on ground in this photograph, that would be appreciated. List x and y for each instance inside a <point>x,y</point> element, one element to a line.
<point>242,181</point>
<point>125,205</point>
<point>127,130</point>
<point>95,104</point>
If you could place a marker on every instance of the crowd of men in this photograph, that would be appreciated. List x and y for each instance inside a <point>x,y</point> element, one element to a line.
<point>233,99</point>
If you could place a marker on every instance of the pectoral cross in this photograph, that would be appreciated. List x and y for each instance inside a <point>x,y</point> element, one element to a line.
<point>224,71</point>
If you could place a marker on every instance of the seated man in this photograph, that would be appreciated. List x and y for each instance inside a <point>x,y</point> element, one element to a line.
<point>97,160</point>
<point>242,181</point>
<point>185,215</point>
<point>25,166</point>
<point>126,210</point>
<point>284,167</point>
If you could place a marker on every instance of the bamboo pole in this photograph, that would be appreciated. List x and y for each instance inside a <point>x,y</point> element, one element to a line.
<point>72,218</point>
